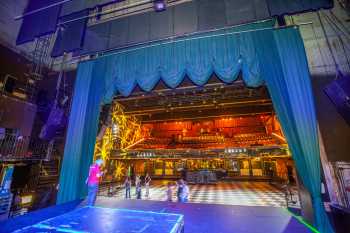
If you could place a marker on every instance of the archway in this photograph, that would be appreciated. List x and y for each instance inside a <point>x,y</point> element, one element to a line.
<point>273,56</point>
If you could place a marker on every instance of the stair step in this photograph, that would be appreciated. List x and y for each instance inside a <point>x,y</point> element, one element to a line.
<point>50,182</point>
<point>48,175</point>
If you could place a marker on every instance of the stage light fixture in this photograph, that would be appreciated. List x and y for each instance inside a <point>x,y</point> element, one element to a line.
<point>159,5</point>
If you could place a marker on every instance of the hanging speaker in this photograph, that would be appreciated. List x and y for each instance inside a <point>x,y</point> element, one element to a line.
<point>55,122</point>
<point>339,93</point>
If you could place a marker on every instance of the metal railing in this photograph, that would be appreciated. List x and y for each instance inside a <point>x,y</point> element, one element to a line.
<point>20,147</point>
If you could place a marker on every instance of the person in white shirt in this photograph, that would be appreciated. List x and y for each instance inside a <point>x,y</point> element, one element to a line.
<point>137,183</point>
<point>147,183</point>
<point>185,192</point>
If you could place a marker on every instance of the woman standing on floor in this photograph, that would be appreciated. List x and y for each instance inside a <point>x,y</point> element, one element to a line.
<point>185,192</point>
<point>138,189</point>
<point>127,185</point>
<point>179,189</point>
<point>137,181</point>
<point>147,183</point>
<point>93,181</point>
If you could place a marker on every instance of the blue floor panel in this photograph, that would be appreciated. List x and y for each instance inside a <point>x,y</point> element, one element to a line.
<point>106,220</point>
<point>139,216</point>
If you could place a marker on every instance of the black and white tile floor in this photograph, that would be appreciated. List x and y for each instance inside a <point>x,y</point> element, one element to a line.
<point>228,193</point>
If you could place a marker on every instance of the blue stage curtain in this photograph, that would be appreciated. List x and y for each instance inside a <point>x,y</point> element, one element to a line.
<point>198,57</point>
<point>98,80</point>
<point>69,176</point>
<point>285,69</point>
<point>276,57</point>
<point>38,24</point>
<point>82,130</point>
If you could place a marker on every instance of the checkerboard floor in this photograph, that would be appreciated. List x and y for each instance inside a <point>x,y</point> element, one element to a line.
<point>228,193</point>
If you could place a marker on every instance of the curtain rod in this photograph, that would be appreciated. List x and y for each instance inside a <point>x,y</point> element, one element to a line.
<point>164,39</point>
<point>108,11</point>
<point>174,37</point>
<point>79,18</point>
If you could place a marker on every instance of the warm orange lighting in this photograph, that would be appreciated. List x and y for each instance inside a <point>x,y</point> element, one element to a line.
<point>280,137</point>
<point>129,132</point>
<point>27,199</point>
<point>139,141</point>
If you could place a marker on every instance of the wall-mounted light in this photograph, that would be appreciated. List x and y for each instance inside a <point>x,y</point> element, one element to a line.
<point>159,5</point>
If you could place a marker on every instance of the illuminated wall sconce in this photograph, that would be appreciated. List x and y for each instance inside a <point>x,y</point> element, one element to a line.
<point>159,5</point>
<point>235,150</point>
<point>145,154</point>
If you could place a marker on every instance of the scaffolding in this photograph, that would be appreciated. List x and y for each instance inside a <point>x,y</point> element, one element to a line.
<point>40,58</point>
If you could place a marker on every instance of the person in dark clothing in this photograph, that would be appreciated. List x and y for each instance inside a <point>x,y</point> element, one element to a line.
<point>179,189</point>
<point>127,185</point>
<point>270,174</point>
<point>183,174</point>
<point>138,190</point>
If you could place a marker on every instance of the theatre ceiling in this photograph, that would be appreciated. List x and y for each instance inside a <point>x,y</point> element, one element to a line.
<point>215,99</point>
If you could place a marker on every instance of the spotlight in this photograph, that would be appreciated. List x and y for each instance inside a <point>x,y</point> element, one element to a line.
<point>159,5</point>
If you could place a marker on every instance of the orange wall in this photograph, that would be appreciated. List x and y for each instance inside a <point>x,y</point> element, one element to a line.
<point>226,127</point>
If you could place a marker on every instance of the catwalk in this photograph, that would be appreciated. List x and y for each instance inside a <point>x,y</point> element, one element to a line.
<point>198,218</point>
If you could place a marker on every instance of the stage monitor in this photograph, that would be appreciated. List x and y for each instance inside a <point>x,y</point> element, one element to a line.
<point>339,93</point>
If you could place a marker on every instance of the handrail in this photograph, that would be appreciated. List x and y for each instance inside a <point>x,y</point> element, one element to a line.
<point>14,147</point>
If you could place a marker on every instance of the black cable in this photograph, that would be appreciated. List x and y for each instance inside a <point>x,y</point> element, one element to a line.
<point>335,25</point>
<point>340,39</point>
<point>340,22</point>
<point>328,44</point>
<point>346,54</point>
<point>342,4</point>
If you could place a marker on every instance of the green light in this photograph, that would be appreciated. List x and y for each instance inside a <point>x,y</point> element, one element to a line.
<point>301,220</point>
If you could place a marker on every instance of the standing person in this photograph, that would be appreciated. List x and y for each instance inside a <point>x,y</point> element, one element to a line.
<point>185,192</point>
<point>138,190</point>
<point>127,185</point>
<point>147,183</point>
<point>93,181</point>
<point>184,173</point>
<point>137,181</point>
<point>179,189</point>
<point>270,173</point>
<point>169,192</point>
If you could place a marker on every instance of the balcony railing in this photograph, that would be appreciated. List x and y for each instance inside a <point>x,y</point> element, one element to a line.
<point>13,147</point>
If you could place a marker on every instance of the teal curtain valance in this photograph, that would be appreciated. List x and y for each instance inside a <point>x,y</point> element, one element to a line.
<point>223,52</point>
<point>275,57</point>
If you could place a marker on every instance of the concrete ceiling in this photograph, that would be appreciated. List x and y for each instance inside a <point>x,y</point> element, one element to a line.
<point>9,27</point>
<point>337,27</point>
<point>336,23</point>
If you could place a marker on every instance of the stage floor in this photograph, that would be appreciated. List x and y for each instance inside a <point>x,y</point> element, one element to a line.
<point>198,218</point>
<point>106,220</point>
<point>241,193</point>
